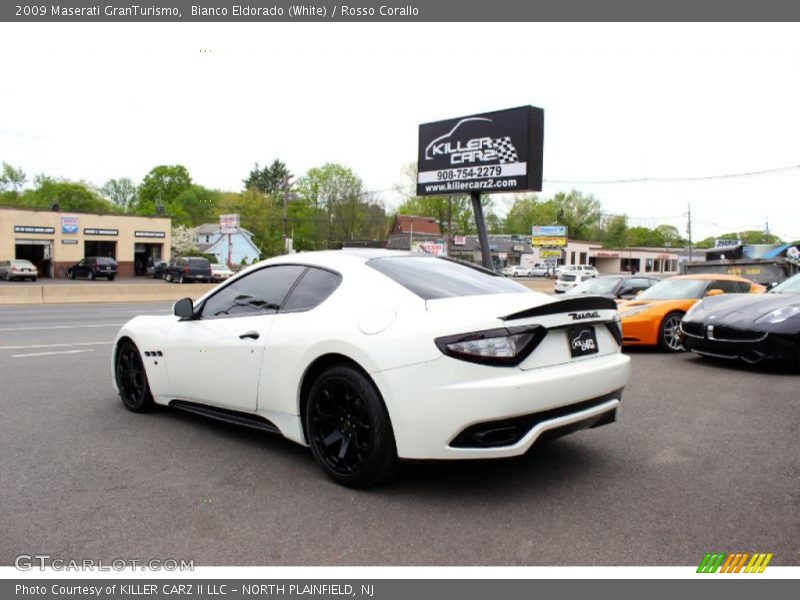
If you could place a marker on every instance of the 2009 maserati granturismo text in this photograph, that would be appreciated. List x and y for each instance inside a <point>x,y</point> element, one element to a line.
<point>371,357</point>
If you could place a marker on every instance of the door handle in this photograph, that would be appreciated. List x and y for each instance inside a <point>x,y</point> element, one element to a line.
<point>253,335</point>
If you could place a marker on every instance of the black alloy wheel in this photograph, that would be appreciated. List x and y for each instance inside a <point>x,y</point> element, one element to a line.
<point>349,430</point>
<point>132,379</point>
<point>669,334</point>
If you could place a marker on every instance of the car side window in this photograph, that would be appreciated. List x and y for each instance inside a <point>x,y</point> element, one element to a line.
<point>729,287</point>
<point>312,290</point>
<point>638,283</point>
<point>260,292</point>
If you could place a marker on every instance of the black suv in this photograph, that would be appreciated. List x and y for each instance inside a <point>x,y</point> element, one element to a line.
<point>94,267</point>
<point>184,270</point>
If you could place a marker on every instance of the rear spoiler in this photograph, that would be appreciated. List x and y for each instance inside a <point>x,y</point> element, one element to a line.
<point>578,304</point>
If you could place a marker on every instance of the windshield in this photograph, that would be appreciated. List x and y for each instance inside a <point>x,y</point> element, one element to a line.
<point>218,267</point>
<point>790,286</point>
<point>675,289</point>
<point>602,285</point>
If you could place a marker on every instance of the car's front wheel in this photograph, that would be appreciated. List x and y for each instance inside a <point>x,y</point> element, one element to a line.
<point>669,338</point>
<point>132,378</point>
<point>349,430</point>
<point>91,276</point>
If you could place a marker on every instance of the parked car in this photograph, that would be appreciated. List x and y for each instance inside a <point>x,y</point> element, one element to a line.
<point>370,357</point>
<point>587,270</point>
<point>18,269</point>
<point>654,317</point>
<point>749,328</point>
<point>155,267</point>
<point>94,267</point>
<point>567,281</point>
<point>540,270</point>
<point>220,272</point>
<point>187,270</point>
<point>616,287</point>
<point>160,268</point>
<point>516,271</point>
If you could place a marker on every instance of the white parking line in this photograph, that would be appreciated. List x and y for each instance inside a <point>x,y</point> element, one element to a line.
<point>62,327</point>
<point>51,353</point>
<point>54,345</point>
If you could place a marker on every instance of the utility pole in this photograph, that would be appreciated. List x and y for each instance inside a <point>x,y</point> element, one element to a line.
<point>449,247</point>
<point>480,225</point>
<point>286,187</point>
<point>689,230</point>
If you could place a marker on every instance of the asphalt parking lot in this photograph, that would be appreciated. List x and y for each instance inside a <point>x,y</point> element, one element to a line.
<point>704,458</point>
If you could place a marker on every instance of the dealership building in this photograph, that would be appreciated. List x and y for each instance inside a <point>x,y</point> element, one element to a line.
<point>55,240</point>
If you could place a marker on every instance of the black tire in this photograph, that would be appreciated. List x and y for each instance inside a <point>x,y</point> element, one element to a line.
<point>111,277</point>
<point>182,279</point>
<point>91,276</point>
<point>33,279</point>
<point>349,430</point>
<point>668,333</point>
<point>167,277</point>
<point>131,376</point>
<point>71,274</point>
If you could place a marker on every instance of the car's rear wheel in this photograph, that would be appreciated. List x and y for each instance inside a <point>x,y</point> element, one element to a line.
<point>71,274</point>
<point>91,275</point>
<point>349,430</point>
<point>182,279</point>
<point>132,378</point>
<point>669,332</point>
<point>168,277</point>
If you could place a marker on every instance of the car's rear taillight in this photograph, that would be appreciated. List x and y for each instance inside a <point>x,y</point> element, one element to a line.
<point>503,346</point>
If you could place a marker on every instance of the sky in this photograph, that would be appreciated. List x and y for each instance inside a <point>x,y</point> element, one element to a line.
<point>92,102</point>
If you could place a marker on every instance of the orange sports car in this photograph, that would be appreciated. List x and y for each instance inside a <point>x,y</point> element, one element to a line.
<point>653,318</point>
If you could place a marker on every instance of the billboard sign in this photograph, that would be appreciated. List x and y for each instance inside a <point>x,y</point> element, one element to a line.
<point>428,248</point>
<point>228,223</point>
<point>491,152</point>
<point>548,235</point>
<point>722,243</point>
<point>550,253</point>
<point>69,224</point>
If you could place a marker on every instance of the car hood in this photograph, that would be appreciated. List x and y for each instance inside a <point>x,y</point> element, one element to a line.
<point>735,308</point>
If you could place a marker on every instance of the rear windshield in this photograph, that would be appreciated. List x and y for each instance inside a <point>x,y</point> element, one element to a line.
<point>103,260</point>
<point>197,262</point>
<point>432,277</point>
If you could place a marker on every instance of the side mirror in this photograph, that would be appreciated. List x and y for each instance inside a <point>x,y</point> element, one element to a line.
<point>183,308</point>
<point>714,292</point>
<point>771,285</point>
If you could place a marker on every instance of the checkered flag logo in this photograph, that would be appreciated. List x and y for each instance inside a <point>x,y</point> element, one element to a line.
<point>505,150</point>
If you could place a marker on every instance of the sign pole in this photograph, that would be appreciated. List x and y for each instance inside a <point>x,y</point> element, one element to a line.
<point>480,224</point>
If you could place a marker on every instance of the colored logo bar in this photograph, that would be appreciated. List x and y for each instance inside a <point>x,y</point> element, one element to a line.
<point>734,562</point>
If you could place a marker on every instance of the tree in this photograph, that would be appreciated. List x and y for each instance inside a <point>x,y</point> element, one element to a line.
<point>11,179</point>
<point>182,240</point>
<point>455,209</point>
<point>335,193</point>
<point>528,211</point>
<point>613,231</point>
<point>121,192</point>
<point>268,180</point>
<point>162,186</point>
<point>578,212</point>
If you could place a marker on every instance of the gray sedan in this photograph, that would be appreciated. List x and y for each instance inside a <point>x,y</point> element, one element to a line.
<point>18,269</point>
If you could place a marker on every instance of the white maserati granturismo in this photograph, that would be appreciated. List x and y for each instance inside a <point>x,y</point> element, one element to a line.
<point>373,357</point>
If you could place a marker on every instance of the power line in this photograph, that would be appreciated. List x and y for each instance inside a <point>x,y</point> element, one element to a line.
<point>676,179</point>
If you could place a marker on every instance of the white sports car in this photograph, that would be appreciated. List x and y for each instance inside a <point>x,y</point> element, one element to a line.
<point>373,356</point>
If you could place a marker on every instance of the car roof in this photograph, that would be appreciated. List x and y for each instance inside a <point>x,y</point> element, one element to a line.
<point>707,276</point>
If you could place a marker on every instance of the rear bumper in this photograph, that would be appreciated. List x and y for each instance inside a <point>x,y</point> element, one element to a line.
<point>436,406</point>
